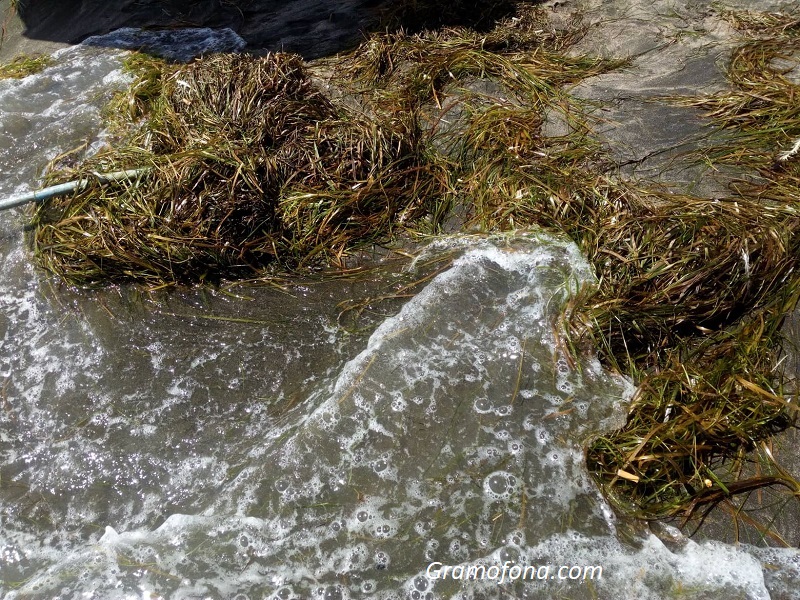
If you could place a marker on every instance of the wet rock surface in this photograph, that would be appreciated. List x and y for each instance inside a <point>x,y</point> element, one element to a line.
<point>675,49</point>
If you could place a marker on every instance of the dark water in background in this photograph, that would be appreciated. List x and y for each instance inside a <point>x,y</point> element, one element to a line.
<point>210,445</point>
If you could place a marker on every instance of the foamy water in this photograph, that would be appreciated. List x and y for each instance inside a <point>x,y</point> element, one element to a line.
<point>198,445</point>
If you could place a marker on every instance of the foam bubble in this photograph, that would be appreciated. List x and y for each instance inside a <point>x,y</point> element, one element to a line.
<point>501,485</point>
<point>399,405</point>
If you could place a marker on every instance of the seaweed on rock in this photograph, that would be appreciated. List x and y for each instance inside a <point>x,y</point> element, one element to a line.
<point>251,164</point>
<point>700,323</point>
<point>248,163</point>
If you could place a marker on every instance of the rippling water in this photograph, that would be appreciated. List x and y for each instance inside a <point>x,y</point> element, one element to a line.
<point>204,445</point>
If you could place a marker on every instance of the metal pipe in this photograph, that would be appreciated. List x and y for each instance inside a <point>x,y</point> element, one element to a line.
<point>65,188</point>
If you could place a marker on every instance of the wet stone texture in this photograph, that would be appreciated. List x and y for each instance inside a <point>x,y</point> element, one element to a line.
<point>675,49</point>
<point>649,140</point>
<point>790,65</point>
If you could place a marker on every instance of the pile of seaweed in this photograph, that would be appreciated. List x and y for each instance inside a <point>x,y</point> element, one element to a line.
<point>245,162</point>
<point>252,162</point>
<point>23,65</point>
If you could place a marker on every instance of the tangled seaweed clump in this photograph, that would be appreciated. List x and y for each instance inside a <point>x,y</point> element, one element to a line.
<point>247,163</point>
<point>250,164</point>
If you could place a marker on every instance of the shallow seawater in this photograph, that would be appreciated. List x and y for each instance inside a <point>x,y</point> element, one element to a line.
<point>201,444</point>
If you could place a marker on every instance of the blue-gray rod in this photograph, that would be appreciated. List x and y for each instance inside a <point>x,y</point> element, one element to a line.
<point>65,188</point>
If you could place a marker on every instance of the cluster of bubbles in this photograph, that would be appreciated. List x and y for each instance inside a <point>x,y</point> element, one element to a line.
<point>501,485</point>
